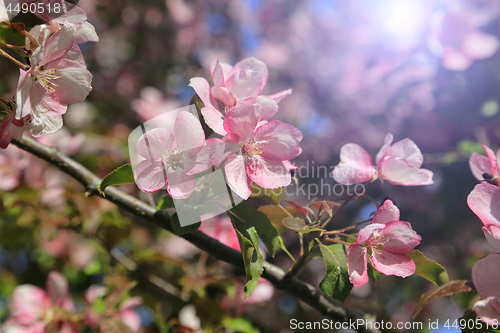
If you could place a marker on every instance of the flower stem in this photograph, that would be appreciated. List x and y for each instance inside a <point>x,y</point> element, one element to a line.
<point>17,62</point>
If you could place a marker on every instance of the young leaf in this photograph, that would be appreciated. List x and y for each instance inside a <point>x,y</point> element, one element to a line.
<point>428,269</point>
<point>336,282</point>
<point>253,260</point>
<point>274,195</point>
<point>166,202</point>
<point>239,325</point>
<point>325,205</point>
<point>297,207</point>
<point>446,289</point>
<point>265,229</point>
<point>179,231</point>
<point>299,225</point>
<point>119,176</point>
<point>276,215</point>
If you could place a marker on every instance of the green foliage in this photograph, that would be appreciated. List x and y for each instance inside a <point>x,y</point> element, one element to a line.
<point>253,260</point>
<point>336,282</point>
<point>300,226</point>
<point>273,195</point>
<point>165,203</point>
<point>179,230</point>
<point>239,325</point>
<point>428,269</point>
<point>119,176</point>
<point>265,229</point>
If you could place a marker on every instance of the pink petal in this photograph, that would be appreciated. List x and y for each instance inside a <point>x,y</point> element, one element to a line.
<point>236,176</point>
<point>58,44</point>
<point>268,174</point>
<point>93,292</point>
<point>399,237</point>
<point>57,289</point>
<point>247,78</point>
<point>46,122</point>
<point>188,133</point>
<point>150,176</point>
<point>262,293</point>
<point>370,231</point>
<point>202,89</point>
<point>14,326</point>
<point>278,141</point>
<point>155,143</point>
<point>392,264</point>
<point>356,265</point>
<point>355,165</point>
<point>269,106</point>
<point>479,45</point>
<point>383,151</point>
<point>199,162</point>
<point>214,119</point>
<point>29,303</point>
<point>131,319</point>
<point>180,185</point>
<point>479,165</point>
<point>455,60</point>
<point>484,201</point>
<point>492,159</point>
<point>488,310</point>
<point>9,130</point>
<point>492,233</point>
<point>223,95</point>
<point>242,120</point>
<point>220,72</point>
<point>86,33</point>
<point>408,151</point>
<point>74,83</point>
<point>130,303</point>
<point>485,273</point>
<point>217,147</point>
<point>387,212</point>
<point>399,172</point>
<point>278,97</point>
<point>23,94</point>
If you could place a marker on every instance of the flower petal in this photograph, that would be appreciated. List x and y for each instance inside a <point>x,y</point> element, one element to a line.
<point>268,174</point>
<point>479,45</point>
<point>223,95</point>
<point>23,94</point>
<point>155,143</point>
<point>150,176</point>
<point>74,83</point>
<point>355,165</point>
<point>278,97</point>
<point>392,264</point>
<point>399,172</point>
<point>487,310</point>
<point>356,265</point>
<point>399,237</point>
<point>454,60</point>
<point>236,176</point>
<point>58,291</point>
<point>387,212</point>
<point>200,161</point>
<point>58,44</point>
<point>188,133</point>
<point>479,165</point>
<point>214,119</point>
<point>202,89</point>
<point>485,273</point>
<point>247,78</point>
<point>29,304</point>
<point>408,151</point>
<point>484,201</point>
<point>492,233</point>
<point>242,120</point>
<point>180,185</point>
<point>278,141</point>
<point>383,151</point>
<point>492,159</point>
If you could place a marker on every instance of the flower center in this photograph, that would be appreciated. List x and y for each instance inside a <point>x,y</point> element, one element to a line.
<point>45,79</point>
<point>174,158</point>
<point>249,148</point>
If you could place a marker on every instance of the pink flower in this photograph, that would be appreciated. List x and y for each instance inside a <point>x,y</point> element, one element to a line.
<point>484,201</point>
<point>10,128</point>
<point>33,308</point>
<point>486,278</point>
<point>152,104</point>
<point>482,166</point>
<point>13,161</point>
<point>173,159</point>
<point>387,240</point>
<point>399,164</point>
<point>256,153</point>
<point>68,244</point>
<point>4,17</point>
<point>457,39</point>
<point>57,77</point>
<point>243,82</point>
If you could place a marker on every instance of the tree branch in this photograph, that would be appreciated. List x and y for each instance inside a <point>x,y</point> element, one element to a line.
<point>300,289</point>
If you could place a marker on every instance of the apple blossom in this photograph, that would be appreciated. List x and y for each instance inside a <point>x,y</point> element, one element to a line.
<point>173,159</point>
<point>56,78</point>
<point>4,17</point>
<point>486,279</point>
<point>221,229</point>
<point>256,153</point>
<point>13,162</point>
<point>10,128</point>
<point>68,244</point>
<point>34,309</point>
<point>387,240</point>
<point>484,201</point>
<point>399,164</point>
<point>482,166</point>
<point>243,82</point>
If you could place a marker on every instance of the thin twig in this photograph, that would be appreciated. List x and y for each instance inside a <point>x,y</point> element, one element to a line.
<point>300,289</point>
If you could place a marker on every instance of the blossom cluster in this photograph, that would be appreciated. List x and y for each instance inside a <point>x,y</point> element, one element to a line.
<point>52,310</point>
<point>253,149</point>
<point>55,75</point>
<point>484,201</point>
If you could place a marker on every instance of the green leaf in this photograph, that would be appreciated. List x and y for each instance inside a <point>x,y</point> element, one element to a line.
<point>253,260</point>
<point>265,229</point>
<point>336,282</point>
<point>428,269</point>
<point>166,202</point>
<point>239,325</point>
<point>446,289</point>
<point>119,176</point>
<point>274,195</point>
<point>276,215</point>
<point>372,273</point>
<point>179,231</point>
<point>299,225</point>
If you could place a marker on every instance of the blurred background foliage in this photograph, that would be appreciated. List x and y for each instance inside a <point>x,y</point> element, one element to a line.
<point>358,69</point>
